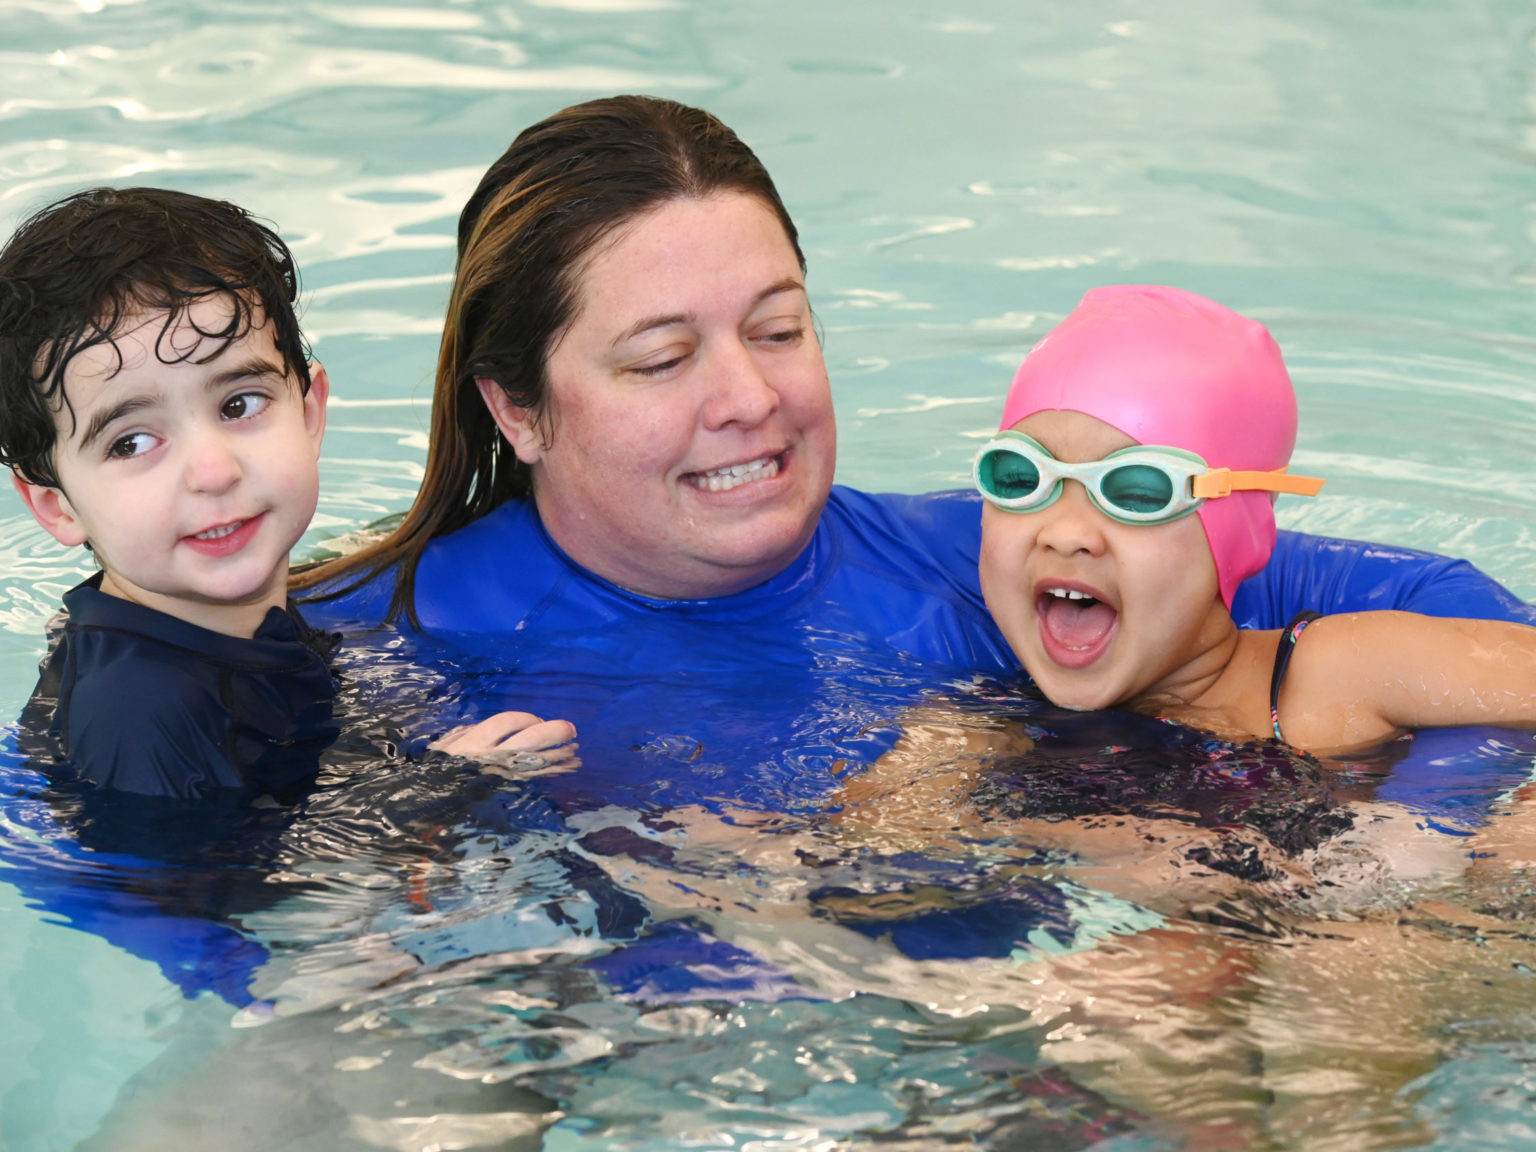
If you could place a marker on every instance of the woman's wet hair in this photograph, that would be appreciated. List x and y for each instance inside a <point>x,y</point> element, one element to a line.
<point>564,188</point>
<point>76,274</point>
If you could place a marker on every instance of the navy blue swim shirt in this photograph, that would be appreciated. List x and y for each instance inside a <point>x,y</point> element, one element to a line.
<point>133,700</point>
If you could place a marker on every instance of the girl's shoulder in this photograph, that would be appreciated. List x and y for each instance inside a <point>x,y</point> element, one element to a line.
<point>1361,677</point>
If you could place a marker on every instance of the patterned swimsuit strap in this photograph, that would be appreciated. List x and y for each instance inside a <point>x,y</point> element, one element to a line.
<point>1288,637</point>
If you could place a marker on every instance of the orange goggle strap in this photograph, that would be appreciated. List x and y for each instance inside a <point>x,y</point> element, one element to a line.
<point>1223,482</point>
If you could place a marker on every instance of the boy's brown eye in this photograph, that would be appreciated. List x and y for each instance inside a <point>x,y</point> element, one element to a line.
<point>242,405</point>
<point>133,445</point>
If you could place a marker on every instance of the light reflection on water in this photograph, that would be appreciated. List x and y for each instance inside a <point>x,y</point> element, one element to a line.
<point>1356,177</point>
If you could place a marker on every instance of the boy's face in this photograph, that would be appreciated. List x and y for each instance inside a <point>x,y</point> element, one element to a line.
<point>191,480</point>
<point>1144,606</point>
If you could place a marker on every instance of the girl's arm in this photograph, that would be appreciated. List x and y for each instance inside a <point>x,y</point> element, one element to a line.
<point>1356,679</point>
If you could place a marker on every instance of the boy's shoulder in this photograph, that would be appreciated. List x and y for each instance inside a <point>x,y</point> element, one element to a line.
<point>283,643</point>
<point>139,701</point>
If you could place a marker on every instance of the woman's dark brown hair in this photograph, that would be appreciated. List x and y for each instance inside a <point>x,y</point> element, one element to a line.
<point>563,187</point>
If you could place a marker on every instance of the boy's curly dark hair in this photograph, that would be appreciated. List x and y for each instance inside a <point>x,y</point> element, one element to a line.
<point>75,273</point>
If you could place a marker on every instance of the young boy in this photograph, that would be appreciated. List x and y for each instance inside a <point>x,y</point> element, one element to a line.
<point>157,405</point>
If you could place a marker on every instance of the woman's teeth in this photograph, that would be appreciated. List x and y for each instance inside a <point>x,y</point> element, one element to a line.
<point>220,532</point>
<point>724,479</point>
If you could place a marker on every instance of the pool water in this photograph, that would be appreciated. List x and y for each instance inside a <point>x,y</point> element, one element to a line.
<point>451,966</point>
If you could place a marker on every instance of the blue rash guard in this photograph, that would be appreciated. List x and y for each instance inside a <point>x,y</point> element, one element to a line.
<point>899,571</point>
<point>765,697</point>
<point>895,573</point>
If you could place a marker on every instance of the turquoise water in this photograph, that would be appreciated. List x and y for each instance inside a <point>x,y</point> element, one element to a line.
<point>1358,176</point>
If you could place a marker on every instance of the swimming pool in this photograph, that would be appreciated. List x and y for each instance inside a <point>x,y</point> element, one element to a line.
<point>1355,176</point>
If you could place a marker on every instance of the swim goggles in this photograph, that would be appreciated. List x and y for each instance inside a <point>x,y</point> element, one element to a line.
<point>1143,484</point>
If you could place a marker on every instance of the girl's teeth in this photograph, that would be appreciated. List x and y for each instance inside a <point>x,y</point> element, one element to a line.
<point>1068,594</point>
<point>219,533</point>
<point>724,479</point>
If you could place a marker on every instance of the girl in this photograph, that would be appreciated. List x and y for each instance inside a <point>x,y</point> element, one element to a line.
<point>1128,494</point>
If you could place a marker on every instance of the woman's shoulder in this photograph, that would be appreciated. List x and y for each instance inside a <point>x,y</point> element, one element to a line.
<point>1336,575</point>
<point>479,572</point>
<point>942,528</point>
<point>489,575</point>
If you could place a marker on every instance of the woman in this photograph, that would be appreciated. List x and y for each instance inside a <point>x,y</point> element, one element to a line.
<point>629,478</point>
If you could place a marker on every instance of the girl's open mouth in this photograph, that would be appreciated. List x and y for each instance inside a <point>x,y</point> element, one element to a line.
<point>1075,624</point>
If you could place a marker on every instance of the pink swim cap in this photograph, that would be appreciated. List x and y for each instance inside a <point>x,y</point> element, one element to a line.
<point>1168,367</point>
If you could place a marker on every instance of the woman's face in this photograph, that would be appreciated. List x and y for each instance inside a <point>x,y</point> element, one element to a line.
<point>688,444</point>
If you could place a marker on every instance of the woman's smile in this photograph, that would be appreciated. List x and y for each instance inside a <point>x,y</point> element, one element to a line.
<point>733,476</point>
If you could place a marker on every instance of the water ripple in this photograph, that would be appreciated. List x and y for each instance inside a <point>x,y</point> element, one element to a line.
<point>188,76</point>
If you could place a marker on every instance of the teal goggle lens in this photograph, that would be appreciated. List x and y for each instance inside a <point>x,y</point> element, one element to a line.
<point>1138,485</point>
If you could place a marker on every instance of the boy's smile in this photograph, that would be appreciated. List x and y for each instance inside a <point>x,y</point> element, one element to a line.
<point>1098,612</point>
<point>191,479</point>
